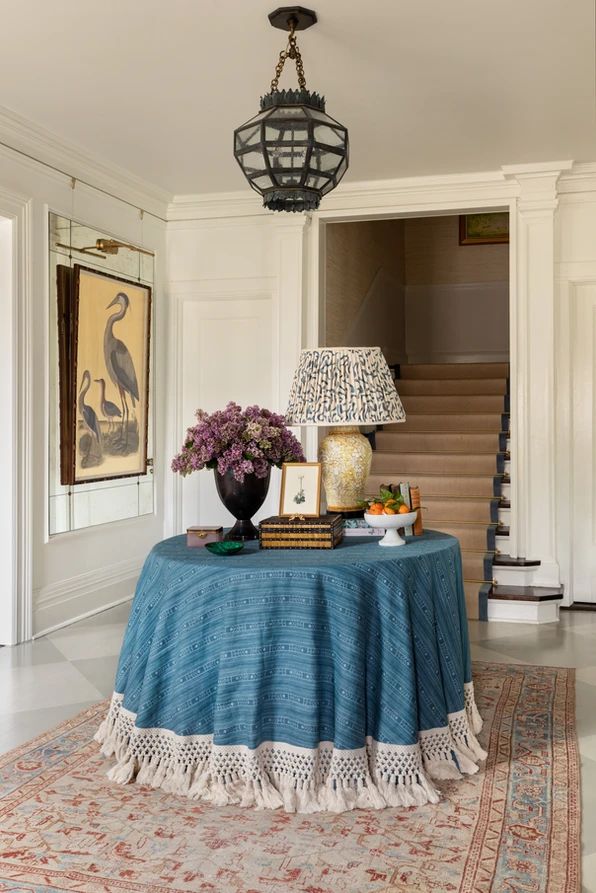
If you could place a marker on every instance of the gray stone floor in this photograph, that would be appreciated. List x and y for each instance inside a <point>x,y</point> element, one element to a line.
<point>51,679</point>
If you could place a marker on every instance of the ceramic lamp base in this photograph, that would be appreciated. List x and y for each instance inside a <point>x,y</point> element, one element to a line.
<point>345,455</point>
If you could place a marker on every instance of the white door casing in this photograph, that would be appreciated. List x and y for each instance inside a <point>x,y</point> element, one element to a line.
<point>16,608</point>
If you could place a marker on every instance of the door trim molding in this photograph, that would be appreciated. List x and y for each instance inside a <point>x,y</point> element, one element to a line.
<point>17,208</point>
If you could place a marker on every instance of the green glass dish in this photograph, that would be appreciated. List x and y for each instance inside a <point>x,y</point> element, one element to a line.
<point>226,547</point>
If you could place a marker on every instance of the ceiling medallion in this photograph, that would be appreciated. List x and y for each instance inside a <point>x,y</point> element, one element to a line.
<point>292,153</point>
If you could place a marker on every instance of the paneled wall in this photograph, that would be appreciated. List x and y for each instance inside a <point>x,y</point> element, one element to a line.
<point>236,301</point>
<point>575,322</point>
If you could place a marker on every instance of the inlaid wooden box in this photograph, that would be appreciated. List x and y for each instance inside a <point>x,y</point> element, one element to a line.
<point>200,536</point>
<point>324,532</point>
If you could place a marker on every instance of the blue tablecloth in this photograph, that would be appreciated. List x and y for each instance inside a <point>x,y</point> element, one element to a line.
<point>308,679</point>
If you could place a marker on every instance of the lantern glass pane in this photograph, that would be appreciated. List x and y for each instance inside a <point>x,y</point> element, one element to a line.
<point>248,136</point>
<point>283,157</point>
<point>286,132</point>
<point>329,135</point>
<point>252,162</point>
<point>323,160</point>
<point>314,182</point>
<point>263,181</point>
<point>317,115</point>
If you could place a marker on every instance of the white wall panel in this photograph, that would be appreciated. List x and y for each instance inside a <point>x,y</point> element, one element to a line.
<point>583,456</point>
<point>236,332</point>
<point>227,354</point>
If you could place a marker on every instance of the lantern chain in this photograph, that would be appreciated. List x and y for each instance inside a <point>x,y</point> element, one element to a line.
<point>290,52</point>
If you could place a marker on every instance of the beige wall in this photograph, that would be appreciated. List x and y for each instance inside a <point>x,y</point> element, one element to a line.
<point>457,296</point>
<point>365,278</point>
<point>409,287</point>
<point>435,257</point>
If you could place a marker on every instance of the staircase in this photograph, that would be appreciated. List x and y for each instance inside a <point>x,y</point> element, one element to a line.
<point>453,444</point>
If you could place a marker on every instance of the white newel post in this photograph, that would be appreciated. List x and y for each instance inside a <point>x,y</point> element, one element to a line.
<point>533,370</point>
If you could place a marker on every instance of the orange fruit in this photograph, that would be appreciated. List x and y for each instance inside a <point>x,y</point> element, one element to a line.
<point>403,509</point>
<point>389,511</point>
<point>375,509</point>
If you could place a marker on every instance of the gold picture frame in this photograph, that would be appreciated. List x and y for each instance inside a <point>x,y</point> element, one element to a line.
<point>484,229</point>
<point>105,336</point>
<point>300,492</point>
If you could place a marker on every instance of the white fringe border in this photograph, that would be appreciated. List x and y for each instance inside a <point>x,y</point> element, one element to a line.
<point>277,775</point>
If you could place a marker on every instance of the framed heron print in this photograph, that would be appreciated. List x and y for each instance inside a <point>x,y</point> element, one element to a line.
<point>111,331</point>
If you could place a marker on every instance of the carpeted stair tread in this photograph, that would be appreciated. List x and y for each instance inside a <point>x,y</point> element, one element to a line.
<point>450,386</point>
<point>454,370</point>
<point>458,403</point>
<point>404,441</point>
<point>458,423</point>
<point>446,463</point>
<point>439,484</point>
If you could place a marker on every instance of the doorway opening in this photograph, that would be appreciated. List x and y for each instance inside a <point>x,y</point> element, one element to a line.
<point>439,310</point>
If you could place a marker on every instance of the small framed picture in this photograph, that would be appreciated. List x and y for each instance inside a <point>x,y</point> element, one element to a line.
<point>300,489</point>
<point>483,229</point>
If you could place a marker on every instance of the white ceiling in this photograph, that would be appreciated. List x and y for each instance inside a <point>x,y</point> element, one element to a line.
<point>425,87</point>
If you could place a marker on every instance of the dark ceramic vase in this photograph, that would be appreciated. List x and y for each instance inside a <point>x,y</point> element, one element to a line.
<point>243,500</point>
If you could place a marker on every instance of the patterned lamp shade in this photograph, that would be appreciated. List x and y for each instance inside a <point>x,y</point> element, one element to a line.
<point>343,386</point>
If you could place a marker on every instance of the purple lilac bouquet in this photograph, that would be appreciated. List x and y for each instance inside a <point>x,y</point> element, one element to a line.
<point>244,441</point>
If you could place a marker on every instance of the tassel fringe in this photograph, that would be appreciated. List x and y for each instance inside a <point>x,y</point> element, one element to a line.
<point>443,754</point>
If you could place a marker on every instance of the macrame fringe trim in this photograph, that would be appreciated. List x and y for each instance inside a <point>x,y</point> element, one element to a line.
<point>444,754</point>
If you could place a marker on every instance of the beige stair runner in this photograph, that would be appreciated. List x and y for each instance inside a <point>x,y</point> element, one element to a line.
<point>450,445</point>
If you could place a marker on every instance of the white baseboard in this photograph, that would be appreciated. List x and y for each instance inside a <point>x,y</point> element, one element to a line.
<point>92,613</point>
<point>75,598</point>
<point>523,612</point>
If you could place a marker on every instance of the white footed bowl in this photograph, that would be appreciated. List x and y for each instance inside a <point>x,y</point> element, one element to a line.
<point>391,524</point>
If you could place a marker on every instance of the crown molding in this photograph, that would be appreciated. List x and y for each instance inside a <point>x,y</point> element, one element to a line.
<point>372,195</point>
<point>43,146</point>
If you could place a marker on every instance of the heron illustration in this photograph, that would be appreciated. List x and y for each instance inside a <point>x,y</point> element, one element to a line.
<point>119,361</point>
<point>88,415</point>
<point>109,410</point>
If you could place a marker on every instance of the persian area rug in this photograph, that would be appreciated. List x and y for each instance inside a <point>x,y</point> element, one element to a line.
<point>512,827</point>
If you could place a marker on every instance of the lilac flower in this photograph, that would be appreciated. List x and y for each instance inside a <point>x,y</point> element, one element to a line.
<point>244,442</point>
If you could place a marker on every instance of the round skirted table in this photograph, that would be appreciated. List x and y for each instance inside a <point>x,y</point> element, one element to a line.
<point>304,679</point>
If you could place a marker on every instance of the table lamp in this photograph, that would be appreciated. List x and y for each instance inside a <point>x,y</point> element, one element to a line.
<point>344,387</point>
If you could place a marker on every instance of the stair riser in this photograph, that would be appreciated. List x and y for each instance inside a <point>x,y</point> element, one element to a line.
<point>458,403</point>
<point>419,463</point>
<point>523,612</point>
<point>516,576</point>
<point>477,566</point>
<point>505,517</point>
<point>455,370</point>
<point>487,422</point>
<point>479,511</point>
<point>424,386</point>
<point>434,441</point>
<point>438,486</point>
<point>475,539</point>
<point>472,591</point>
